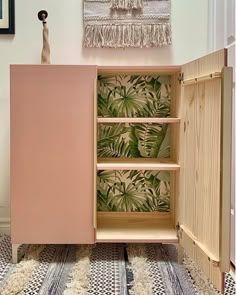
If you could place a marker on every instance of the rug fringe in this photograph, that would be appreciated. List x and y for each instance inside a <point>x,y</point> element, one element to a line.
<point>19,279</point>
<point>200,280</point>
<point>126,4</point>
<point>142,283</point>
<point>127,35</point>
<point>79,276</point>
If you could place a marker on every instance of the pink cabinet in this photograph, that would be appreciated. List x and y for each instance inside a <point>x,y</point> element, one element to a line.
<point>60,121</point>
<point>52,150</point>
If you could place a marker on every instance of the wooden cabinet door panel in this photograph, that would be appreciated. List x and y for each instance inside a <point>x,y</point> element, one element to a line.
<point>204,195</point>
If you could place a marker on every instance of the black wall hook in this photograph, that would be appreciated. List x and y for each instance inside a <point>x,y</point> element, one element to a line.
<point>42,15</point>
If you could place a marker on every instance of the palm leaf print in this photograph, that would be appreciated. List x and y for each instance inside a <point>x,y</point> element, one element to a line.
<point>133,140</point>
<point>111,141</point>
<point>133,191</point>
<point>133,96</point>
<point>106,85</point>
<point>146,140</point>
<point>128,102</point>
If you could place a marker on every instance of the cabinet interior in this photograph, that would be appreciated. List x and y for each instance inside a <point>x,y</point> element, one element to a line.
<point>137,154</point>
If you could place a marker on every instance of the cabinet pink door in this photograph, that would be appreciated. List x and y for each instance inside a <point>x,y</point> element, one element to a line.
<point>52,150</point>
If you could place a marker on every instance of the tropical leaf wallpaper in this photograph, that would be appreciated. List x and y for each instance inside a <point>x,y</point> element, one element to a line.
<point>133,96</point>
<point>128,140</point>
<point>133,191</point>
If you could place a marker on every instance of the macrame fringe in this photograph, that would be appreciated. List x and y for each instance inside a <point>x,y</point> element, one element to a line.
<point>127,35</point>
<point>142,282</point>
<point>22,275</point>
<point>200,280</point>
<point>79,276</point>
<point>126,4</point>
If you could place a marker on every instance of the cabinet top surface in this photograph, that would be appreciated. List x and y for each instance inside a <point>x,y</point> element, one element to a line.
<point>164,69</point>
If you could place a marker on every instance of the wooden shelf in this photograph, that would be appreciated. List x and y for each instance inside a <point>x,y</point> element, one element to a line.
<point>135,227</point>
<point>136,164</point>
<point>137,120</point>
<point>138,70</point>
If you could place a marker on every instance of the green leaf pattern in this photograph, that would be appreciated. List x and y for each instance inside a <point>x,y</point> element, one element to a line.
<point>133,191</point>
<point>128,140</point>
<point>133,96</point>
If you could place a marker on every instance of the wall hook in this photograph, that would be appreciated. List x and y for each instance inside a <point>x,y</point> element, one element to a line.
<point>42,15</point>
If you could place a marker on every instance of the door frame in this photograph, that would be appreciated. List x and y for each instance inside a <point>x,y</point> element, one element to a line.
<point>221,33</point>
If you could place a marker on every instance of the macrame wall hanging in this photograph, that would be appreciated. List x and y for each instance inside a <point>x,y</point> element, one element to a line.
<point>126,23</point>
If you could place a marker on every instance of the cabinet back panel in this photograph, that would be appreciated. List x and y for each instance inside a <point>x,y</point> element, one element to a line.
<point>136,95</point>
<point>133,191</point>
<point>52,154</point>
<point>134,140</point>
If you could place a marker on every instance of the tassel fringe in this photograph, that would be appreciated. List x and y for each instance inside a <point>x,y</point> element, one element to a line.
<point>79,277</point>
<point>126,4</point>
<point>202,283</point>
<point>142,283</point>
<point>127,35</point>
<point>22,275</point>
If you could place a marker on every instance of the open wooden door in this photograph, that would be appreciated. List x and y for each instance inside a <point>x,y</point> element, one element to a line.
<point>205,161</point>
<point>52,154</point>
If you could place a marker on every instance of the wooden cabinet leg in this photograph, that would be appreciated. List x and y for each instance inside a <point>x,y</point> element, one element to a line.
<point>15,253</point>
<point>180,250</point>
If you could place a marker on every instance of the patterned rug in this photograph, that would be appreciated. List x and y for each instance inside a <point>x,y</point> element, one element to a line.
<point>101,269</point>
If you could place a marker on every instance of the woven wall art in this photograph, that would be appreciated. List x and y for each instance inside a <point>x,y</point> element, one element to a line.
<point>126,23</point>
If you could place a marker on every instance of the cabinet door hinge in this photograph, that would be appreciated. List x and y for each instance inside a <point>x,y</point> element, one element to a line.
<point>178,231</point>
<point>181,77</point>
<point>214,263</point>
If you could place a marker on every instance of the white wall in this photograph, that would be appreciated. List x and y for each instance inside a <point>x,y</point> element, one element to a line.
<point>222,34</point>
<point>189,25</point>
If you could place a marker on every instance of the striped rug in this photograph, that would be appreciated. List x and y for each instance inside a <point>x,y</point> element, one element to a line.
<point>101,269</point>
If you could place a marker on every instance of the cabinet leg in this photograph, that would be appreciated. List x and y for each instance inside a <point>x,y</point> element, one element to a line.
<point>180,250</point>
<point>15,253</point>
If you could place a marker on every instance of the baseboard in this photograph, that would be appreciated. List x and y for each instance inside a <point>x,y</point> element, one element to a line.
<point>4,226</point>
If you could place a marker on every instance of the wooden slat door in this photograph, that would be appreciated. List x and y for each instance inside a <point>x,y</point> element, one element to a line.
<point>52,154</point>
<point>204,196</point>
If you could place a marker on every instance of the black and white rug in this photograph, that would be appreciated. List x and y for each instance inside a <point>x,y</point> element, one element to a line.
<point>101,269</point>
